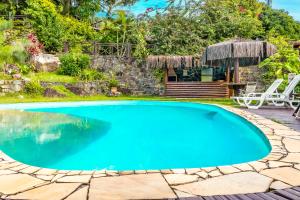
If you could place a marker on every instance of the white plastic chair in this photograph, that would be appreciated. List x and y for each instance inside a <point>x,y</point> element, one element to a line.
<point>278,99</point>
<point>252,96</point>
<point>250,88</point>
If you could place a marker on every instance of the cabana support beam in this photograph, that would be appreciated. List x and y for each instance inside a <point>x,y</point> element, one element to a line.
<point>236,70</point>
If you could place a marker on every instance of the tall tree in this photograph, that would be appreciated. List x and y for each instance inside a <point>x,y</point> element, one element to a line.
<point>82,9</point>
<point>108,6</point>
<point>279,22</point>
<point>12,6</point>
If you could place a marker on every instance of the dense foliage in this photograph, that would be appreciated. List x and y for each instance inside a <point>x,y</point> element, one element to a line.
<point>285,61</point>
<point>279,23</point>
<point>11,53</point>
<point>73,64</point>
<point>183,28</point>
<point>53,29</point>
<point>34,88</point>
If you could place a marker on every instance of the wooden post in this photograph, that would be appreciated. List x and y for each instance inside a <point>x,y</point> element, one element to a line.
<point>66,47</point>
<point>236,70</point>
<point>166,76</point>
<point>94,52</point>
<point>228,74</point>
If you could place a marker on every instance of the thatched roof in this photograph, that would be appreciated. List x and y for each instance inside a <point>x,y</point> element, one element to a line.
<point>249,52</point>
<point>173,61</point>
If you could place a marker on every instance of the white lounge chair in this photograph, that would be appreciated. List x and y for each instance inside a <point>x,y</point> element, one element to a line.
<point>250,88</point>
<point>296,114</point>
<point>278,99</point>
<point>248,96</point>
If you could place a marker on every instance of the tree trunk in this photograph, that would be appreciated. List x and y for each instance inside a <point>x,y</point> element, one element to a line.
<point>66,7</point>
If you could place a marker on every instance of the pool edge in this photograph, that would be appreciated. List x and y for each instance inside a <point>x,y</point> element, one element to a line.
<point>274,132</point>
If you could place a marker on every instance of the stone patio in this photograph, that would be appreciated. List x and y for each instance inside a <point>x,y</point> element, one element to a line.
<point>279,170</point>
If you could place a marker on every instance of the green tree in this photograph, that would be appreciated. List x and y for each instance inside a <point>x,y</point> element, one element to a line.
<point>54,29</point>
<point>173,33</point>
<point>82,9</point>
<point>279,65</point>
<point>109,6</point>
<point>188,27</point>
<point>46,23</point>
<point>279,22</point>
<point>11,7</point>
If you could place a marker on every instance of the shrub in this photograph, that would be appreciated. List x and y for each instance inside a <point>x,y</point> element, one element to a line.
<point>113,82</point>
<point>34,88</point>
<point>46,23</point>
<point>73,64</point>
<point>53,29</point>
<point>91,75</point>
<point>63,90</point>
<point>10,53</point>
<point>25,69</point>
<point>284,61</point>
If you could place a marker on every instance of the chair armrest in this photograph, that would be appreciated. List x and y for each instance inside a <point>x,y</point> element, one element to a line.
<point>254,94</point>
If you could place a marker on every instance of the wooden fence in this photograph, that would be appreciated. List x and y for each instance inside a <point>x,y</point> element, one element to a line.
<point>120,50</point>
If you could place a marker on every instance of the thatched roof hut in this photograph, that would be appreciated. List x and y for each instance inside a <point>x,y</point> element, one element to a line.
<point>248,52</point>
<point>173,61</point>
<point>238,52</point>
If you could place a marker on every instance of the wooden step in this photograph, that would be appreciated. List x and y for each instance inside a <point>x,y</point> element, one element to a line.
<point>196,90</point>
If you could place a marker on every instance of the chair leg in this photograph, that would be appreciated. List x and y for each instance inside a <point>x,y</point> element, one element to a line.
<point>290,103</point>
<point>256,106</point>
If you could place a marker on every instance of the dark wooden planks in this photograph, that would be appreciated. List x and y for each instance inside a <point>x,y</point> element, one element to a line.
<point>284,194</point>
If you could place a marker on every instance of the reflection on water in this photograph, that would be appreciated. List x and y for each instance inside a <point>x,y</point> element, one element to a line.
<point>42,139</point>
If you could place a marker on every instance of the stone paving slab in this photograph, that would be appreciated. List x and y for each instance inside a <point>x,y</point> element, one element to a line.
<point>280,169</point>
<point>13,183</point>
<point>288,175</point>
<point>80,194</point>
<point>54,191</point>
<point>238,183</point>
<point>142,186</point>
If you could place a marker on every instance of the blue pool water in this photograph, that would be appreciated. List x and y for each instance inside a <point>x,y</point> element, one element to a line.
<point>128,135</point>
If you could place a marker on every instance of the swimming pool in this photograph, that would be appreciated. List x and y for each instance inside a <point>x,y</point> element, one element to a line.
<point>128,135</point>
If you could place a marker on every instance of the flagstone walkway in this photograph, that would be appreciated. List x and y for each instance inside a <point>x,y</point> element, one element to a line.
<point>279,170</point>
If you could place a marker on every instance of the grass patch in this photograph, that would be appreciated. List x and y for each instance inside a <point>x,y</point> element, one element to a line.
<point>51,77</point>
<point>27,98</point>
<point>4,76</point>
<point>63,90</point>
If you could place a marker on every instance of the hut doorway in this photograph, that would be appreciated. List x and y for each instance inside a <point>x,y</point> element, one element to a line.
<point>196,74</point>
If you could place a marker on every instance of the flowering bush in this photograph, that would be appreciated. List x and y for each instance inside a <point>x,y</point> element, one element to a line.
<point>34,47</point>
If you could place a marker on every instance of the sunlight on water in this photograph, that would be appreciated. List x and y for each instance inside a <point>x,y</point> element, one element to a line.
<point>43,139</point>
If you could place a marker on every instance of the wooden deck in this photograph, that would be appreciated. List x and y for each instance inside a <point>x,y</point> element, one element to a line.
<point>285,194</point>
<point>280,115</point>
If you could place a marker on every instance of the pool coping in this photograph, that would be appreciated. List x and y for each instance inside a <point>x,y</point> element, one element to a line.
<point>183,182</point>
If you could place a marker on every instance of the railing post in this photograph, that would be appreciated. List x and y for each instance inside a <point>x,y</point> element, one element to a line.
<point>129,50</point>
<point>66,47</point>
<point>94,52</point>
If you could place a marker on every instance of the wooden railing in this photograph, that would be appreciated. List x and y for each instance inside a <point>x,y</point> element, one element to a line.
<point>120,50</point>
<point>14,17</point>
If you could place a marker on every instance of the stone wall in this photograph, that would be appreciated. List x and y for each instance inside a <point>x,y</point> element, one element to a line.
<point>134,77</point>
<point>81,88</point>
<point>251,74</point>
<point>11,86</point>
